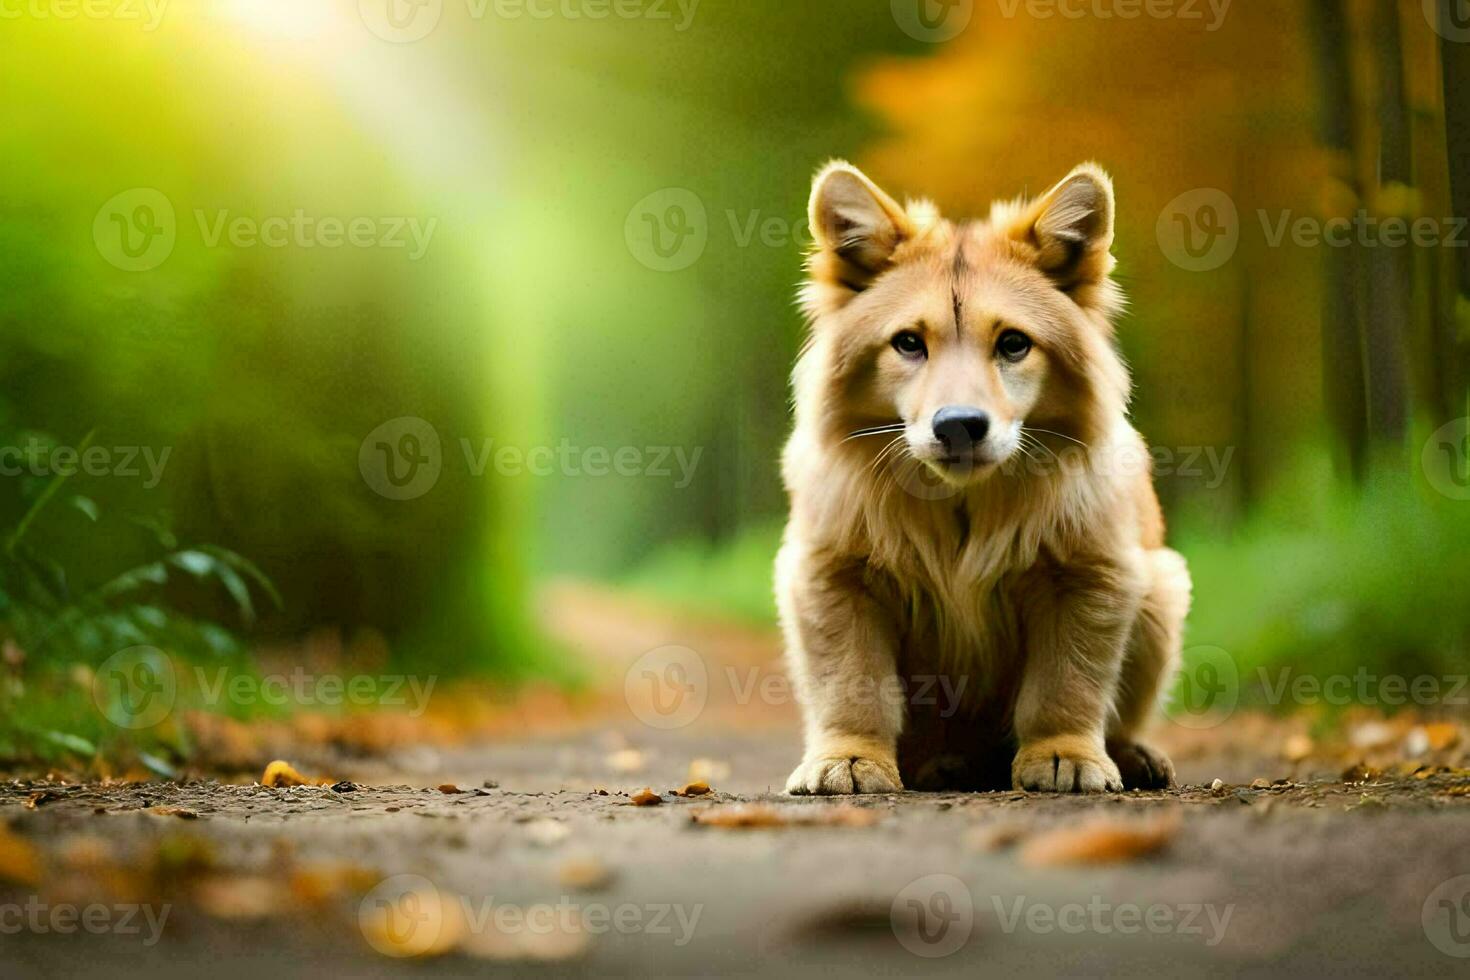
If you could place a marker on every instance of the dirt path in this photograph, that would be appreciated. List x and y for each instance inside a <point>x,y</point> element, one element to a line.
<point>1271,881</point>
<point>541,864</point>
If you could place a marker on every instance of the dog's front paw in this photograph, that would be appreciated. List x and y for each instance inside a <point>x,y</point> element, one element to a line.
<point>846,774</point>
<point>1142,766</point>
<point>1065,764</point>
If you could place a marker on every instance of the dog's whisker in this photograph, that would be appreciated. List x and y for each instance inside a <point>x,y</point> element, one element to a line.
<point>887,451</point>
<point>1059,435</point>
<point>876,430</point>
<point>1038,444</point>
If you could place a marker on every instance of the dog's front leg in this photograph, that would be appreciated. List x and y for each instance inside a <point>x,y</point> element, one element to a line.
<point>1076,622</point>
<point>842,645</point>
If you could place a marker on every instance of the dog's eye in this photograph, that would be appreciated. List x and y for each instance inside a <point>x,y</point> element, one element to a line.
<point>910,344</point>
<point>1013,345</point>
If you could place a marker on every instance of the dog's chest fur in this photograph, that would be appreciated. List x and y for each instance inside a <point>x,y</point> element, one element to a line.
<point>948,576</point>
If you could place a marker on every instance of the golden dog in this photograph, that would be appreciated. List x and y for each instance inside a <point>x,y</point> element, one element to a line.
<point>971,512</point>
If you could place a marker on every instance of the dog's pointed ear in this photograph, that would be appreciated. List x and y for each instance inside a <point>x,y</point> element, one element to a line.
<point>856,228</point>
<point>1068,231</point>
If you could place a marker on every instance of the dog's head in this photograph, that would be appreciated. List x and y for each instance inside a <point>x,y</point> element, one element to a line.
<point>968,340</point>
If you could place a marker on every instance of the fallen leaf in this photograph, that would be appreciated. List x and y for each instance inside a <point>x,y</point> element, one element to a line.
<point>646,797</point>
<point>1105,841</point>
<point>86,853</point>
<point>585,872</point>
<point>420,922</point>
<point>1297,748</point>
<point>996,837</point>
<point>19,862</point>
<point>565,939</point>
<point>1434,737</point>
<point>626,761</point>
<point>747,816</point>
<point>174,811</point>
<point>1443,735</point>
<point>697,788</point>
<point>241,898</point>
<point>321,883</point>
<point>281,773</point>
<point>708,770</point>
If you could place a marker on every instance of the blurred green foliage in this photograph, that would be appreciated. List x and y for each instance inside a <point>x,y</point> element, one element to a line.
<point>61,622</point>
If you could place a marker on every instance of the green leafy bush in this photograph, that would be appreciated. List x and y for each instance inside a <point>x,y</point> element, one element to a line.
<point>57,625</point>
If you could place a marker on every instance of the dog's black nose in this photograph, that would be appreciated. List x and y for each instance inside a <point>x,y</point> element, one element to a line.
<point>960,428</point>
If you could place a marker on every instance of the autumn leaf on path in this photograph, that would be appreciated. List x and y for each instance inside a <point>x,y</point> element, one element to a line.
<point>19,862</point>
<point>280,773</point>
<point>753,816</point>
<point>1107,841</point>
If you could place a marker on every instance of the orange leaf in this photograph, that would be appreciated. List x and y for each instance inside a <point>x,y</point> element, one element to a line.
<point>646,797</point>
<point>281,773</point>
<point>750,816</point>
<point>1101,842</point>
<point>19,862</point>
<point>173,811</point>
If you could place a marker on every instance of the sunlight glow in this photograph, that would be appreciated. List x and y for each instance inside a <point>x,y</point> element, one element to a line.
<point>295,20</point>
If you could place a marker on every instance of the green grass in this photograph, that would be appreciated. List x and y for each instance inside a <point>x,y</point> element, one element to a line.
<point>732,578</point>
<point>1332,582</point>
